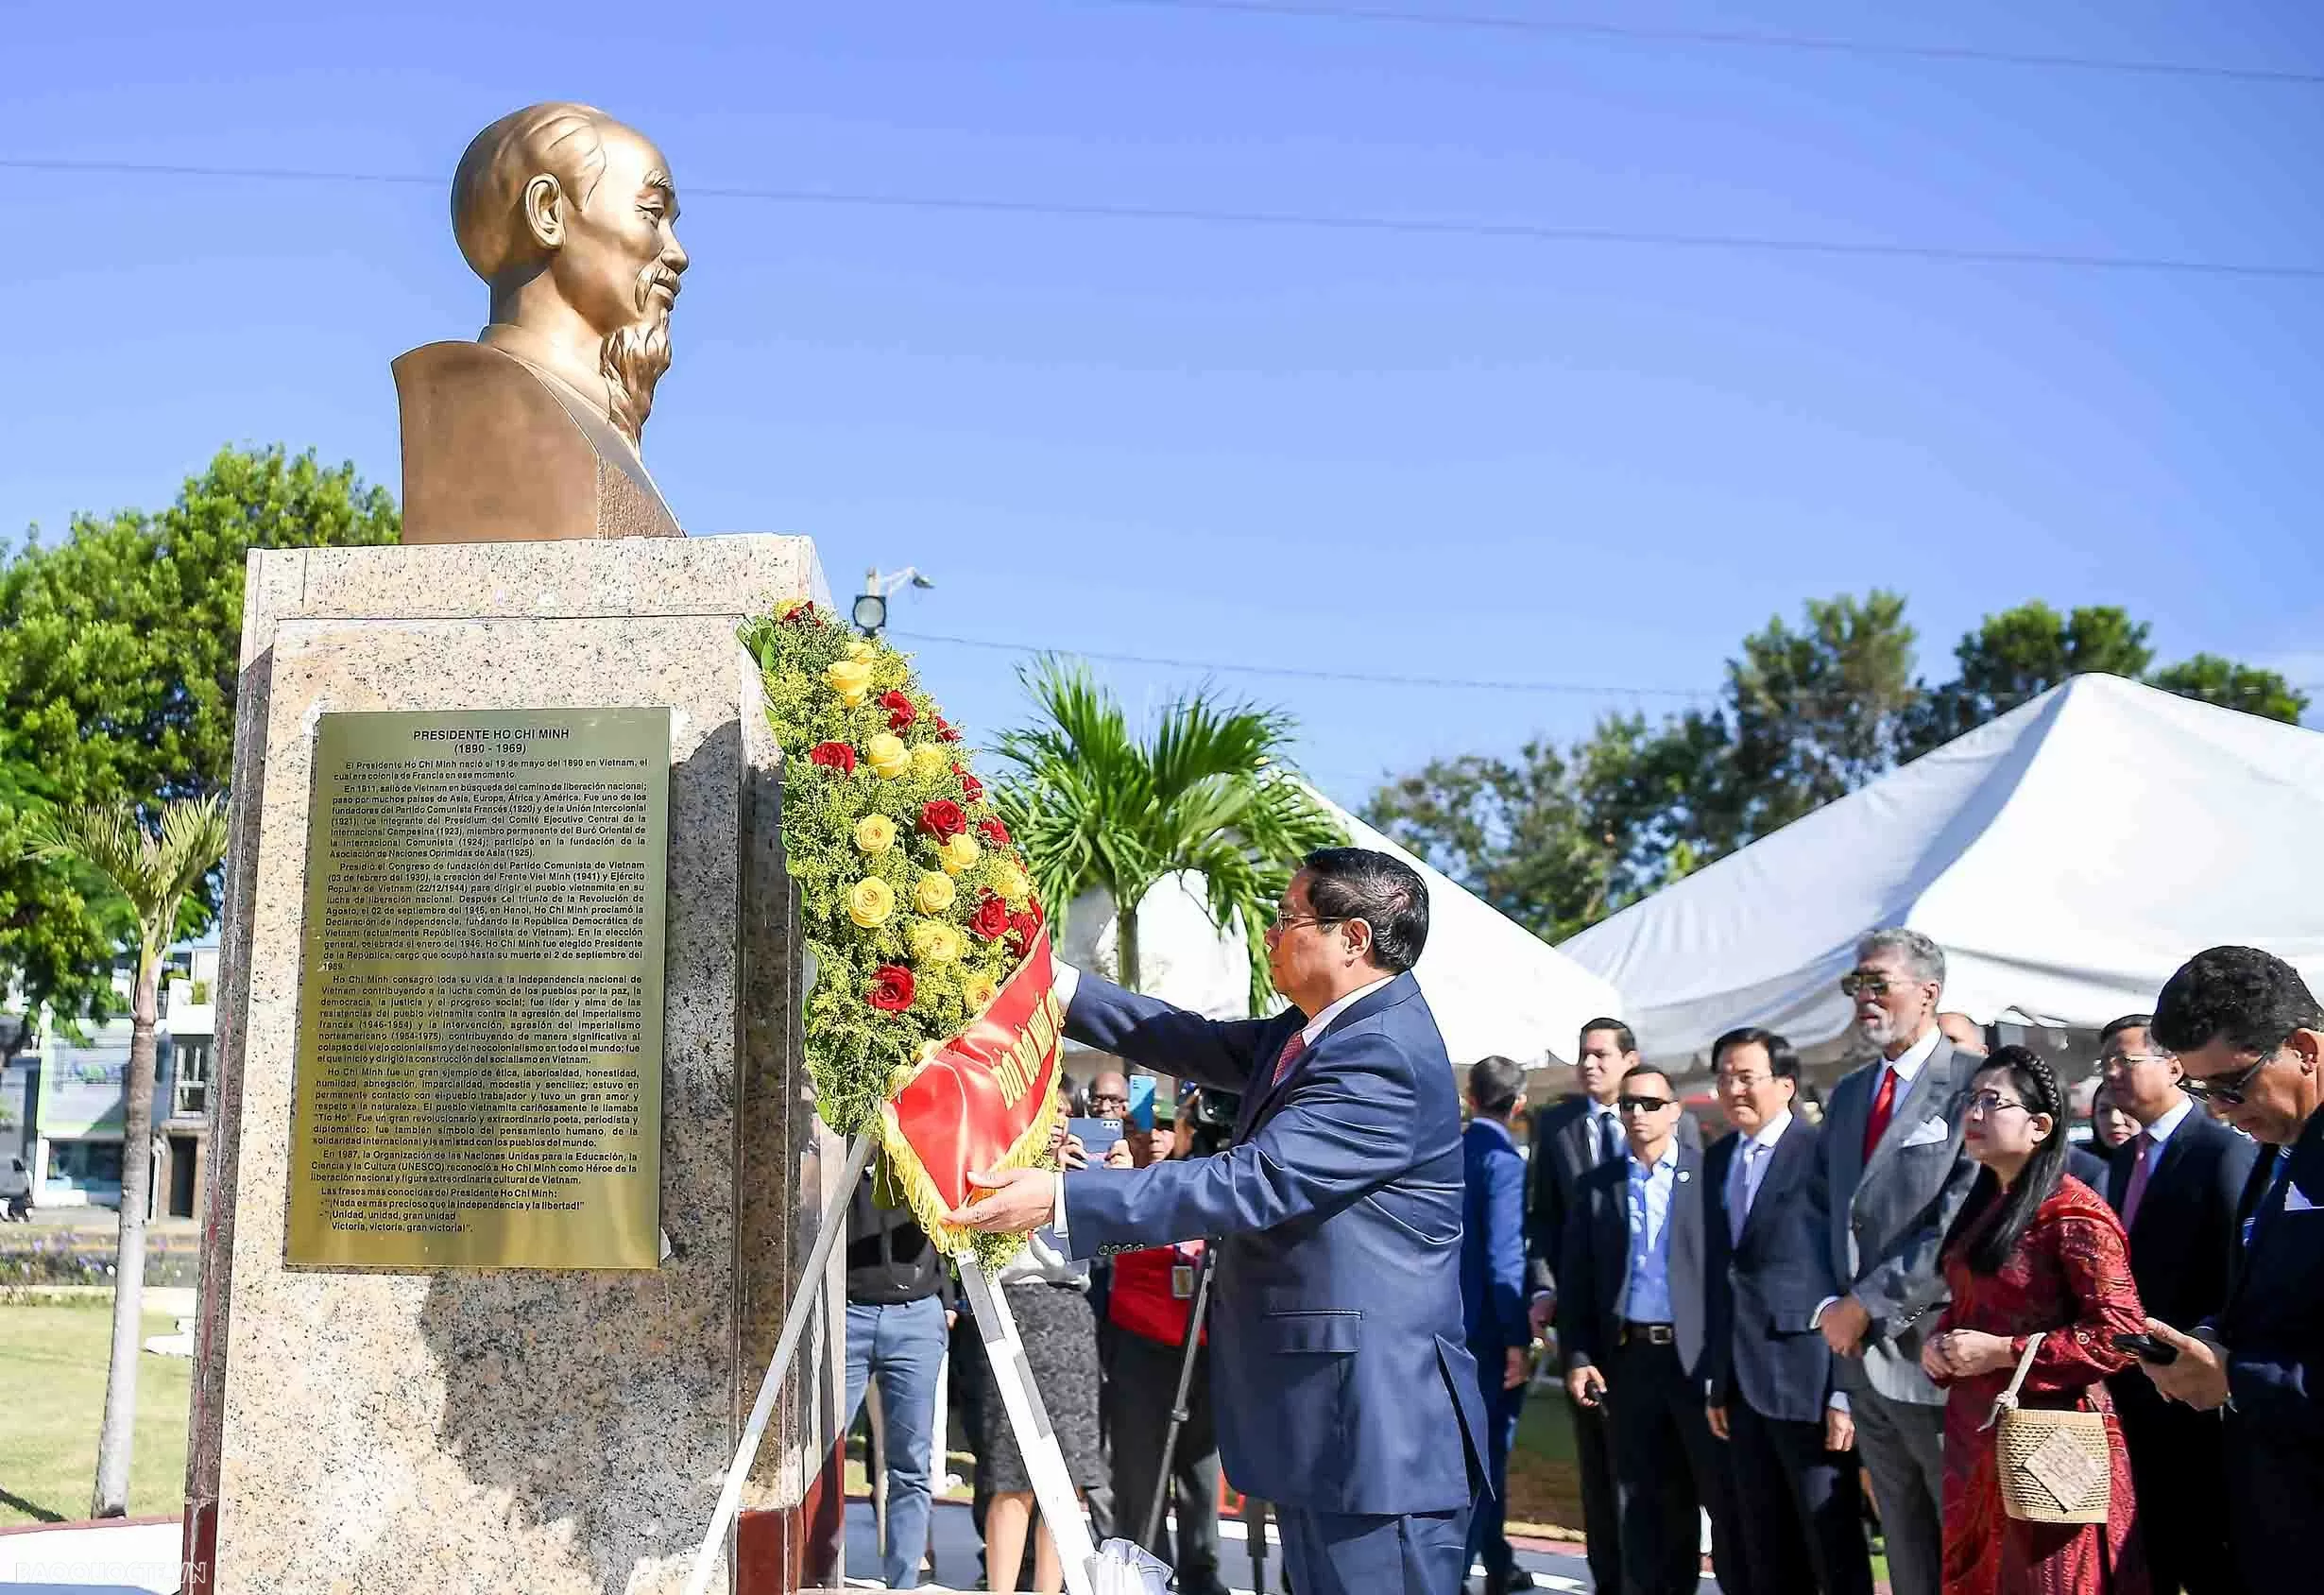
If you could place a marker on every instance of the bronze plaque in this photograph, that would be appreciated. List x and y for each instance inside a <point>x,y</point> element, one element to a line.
<point>480,1008</point>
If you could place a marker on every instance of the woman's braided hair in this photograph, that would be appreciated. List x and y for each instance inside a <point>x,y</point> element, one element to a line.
<point>2038,1087</point>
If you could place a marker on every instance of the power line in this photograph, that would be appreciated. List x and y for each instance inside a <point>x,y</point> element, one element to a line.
<point>1535,232</point>
<point>1309,674</point>
<point>1732,38</point>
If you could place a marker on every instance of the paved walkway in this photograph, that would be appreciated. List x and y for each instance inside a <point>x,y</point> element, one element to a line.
<point>142,1558</point>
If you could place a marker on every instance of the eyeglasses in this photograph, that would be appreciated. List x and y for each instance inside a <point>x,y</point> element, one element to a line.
<point>1987,1104</point>
<point>1283,921</point>
<point>1645,1105</point>
<point>1856,982</point>
<point>1107,1099</point>
<point>2229,1091</point>
<point>1742,1082</point>
<point>2131,1060</point>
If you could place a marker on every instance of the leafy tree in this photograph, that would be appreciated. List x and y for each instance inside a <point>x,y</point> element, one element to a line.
<point>119,657</point>
<point>2229,685</point>
<point>153,872</point>
<point>1210,789</point>
<point>2016,656</point>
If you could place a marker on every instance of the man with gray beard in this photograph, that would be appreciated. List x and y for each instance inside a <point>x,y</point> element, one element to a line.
<point>1890,1177</point>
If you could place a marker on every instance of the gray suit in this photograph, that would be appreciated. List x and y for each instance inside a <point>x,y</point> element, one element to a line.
<point>1886,1220</point>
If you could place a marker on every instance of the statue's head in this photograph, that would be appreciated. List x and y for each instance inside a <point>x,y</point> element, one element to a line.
<point>564,195</point>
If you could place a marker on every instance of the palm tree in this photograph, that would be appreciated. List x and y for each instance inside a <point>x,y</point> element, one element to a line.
<point>1210,791</point>
<point>154,871</point>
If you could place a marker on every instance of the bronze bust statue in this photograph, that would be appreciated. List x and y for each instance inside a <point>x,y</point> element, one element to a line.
<point>532,431</point>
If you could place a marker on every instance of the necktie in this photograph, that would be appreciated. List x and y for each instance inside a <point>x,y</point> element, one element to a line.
<point>1739,1203</point>
<point>1609,1140</point>
<point>1884,1103</point>
<point>2138,1180</point>
<point>1291,1049</point>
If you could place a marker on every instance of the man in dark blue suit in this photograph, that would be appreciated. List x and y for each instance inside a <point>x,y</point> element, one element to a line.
<point>1631,1318</point>
<point>1492,1308</point>
<point>2250,1037</point>
<point>1790,1443</point>
<point>2178,1184</point>
<point>1341,1388</point>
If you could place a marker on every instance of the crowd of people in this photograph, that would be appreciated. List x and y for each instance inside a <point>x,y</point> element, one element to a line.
<point>1839,1294</point>
<point>1105,1341</point>
<point>1908,1309</point>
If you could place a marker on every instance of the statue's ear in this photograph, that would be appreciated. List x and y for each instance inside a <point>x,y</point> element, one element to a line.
<point>544,211</point>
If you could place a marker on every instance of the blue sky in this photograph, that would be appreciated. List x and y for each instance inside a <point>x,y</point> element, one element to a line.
<point>1336,450</point>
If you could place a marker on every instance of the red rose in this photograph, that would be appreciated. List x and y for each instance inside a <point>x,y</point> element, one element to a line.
<point>970,787</point>
<point>993,832</point>
<point>900,712</point>
<point>803,615</point>
<point>1024,926</point>
<point>945,731</point>
<point>991,919</point>
<point>943,819</point>
<point>839,755</point>
<point>890,991</point>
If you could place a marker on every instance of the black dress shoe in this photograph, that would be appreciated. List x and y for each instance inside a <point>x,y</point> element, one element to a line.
<point>1516,1578</point>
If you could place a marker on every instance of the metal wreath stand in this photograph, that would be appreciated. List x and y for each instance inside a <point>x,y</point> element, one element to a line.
<point>1053,1487</point>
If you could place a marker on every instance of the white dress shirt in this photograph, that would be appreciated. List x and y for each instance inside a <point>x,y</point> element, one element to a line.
<point>1751,1166</point>
<point>2159,1131</point>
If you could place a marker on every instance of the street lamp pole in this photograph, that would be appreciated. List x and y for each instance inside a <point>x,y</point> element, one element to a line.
<point>871,605</point>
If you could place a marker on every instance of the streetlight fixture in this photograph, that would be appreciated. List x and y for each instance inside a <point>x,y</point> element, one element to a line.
<point>871,605</point>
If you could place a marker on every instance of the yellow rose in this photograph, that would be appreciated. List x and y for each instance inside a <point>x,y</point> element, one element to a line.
<point>850,678</point>
<point>1010,881</point>
<point>861,652</point>
<point>934,893</point>
<point>959,854</point>
<point>875,834</point>
<point>978,990</point>
<point>929,760</point>
<point>934,941</point>
<point>887,754</point>
<point>871,902</point>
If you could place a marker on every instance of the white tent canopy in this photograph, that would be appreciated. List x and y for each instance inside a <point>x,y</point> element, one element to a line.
<point>1494,985</point>
<point>2067,856</point>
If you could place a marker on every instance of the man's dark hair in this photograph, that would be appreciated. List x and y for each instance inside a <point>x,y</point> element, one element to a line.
<point>1497,1084</point>
<point>1638,1069</point>
<point>1385,893</point>
<point>2128,1021</point>
<point>1782,1058</point>
<point>1622,1037</point>
<point>2249,999</point>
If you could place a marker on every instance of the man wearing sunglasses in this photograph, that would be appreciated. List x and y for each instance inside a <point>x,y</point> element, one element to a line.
<point>1632,1316</point>
<point>2251,1037</point>
<point>1890,1177</point>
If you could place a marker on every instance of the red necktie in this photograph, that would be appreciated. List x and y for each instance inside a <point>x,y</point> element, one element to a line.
<point>1884,1103</point>
<point>1291,1049</point>
<point>2136,1191</point>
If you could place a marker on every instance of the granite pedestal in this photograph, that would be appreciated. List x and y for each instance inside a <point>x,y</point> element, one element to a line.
<point>548,1432</point>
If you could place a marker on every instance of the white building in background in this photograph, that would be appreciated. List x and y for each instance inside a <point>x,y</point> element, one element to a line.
<point>61,1100</point>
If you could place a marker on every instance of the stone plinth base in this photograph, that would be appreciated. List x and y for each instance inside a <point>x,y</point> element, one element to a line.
<point>550,1432</point>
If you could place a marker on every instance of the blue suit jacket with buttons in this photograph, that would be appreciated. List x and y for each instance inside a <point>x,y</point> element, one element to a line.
<point>1492,1308</point>
<point>1764,1286</point>
<point>1338,1374</point>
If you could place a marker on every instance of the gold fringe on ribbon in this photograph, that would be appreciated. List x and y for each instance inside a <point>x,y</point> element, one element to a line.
<point>919,1191</point>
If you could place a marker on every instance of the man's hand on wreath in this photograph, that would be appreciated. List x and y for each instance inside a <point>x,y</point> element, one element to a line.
<point>1015,1202</point>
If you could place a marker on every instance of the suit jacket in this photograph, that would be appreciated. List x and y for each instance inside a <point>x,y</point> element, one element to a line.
<point>1562,1154</point>
<point>1338,1376</point>
<point>1762,1288</point>
<point>2273,1328</point>
<point>1492,1313</point>
<point>2085,1164</point>
<point>1884,1219</point>
<point>1595,1268</point>
<point>2184,1246</point>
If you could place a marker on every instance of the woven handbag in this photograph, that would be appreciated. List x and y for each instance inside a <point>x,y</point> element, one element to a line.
<point>2054,1466</point>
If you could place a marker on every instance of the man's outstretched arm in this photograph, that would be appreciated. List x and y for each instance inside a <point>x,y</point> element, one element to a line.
<point>1220,1054</point>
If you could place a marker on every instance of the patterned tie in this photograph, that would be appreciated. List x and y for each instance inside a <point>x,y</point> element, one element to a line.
<point>1884,1103</point>
<point>1291,1049</point>
<point>2138,1179</point>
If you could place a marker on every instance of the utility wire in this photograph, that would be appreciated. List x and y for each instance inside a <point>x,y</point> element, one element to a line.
<point>1535,232</point>
<point>1730,38</point>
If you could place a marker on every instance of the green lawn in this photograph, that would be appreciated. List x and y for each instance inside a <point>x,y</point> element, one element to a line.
<point>52,1400</point>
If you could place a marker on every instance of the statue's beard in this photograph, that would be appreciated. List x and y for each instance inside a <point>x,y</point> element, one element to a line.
<point>633,358</point>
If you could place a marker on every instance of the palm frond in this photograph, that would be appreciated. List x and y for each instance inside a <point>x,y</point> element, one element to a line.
<point>153,870</point>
